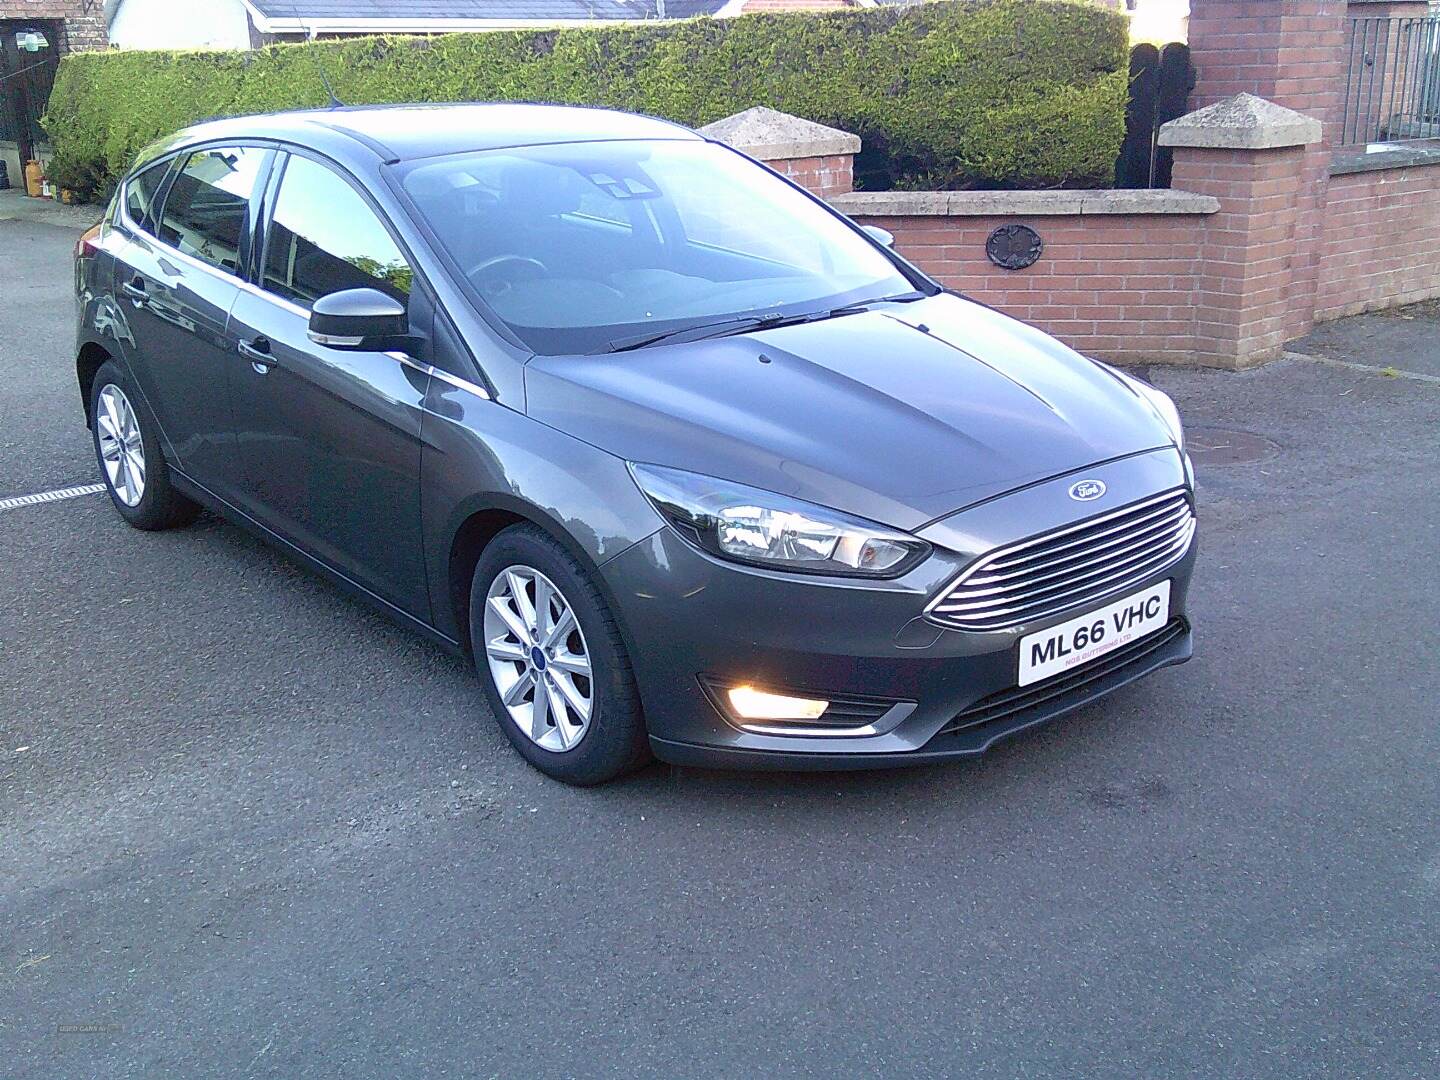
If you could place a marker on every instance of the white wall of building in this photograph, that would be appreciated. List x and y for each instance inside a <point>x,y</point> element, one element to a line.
<point>180,24</point>
<point>1160,20</point>
<point>10,154</point>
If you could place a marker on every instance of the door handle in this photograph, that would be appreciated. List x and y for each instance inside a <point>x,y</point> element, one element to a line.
<point>259,354</point>
<point>135,290</point>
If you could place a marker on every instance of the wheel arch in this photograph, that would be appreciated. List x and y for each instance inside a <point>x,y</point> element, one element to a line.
<point>477,526</point>
<point>91,357</point>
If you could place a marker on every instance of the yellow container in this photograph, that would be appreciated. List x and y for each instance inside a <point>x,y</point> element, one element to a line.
<point>34,179</point>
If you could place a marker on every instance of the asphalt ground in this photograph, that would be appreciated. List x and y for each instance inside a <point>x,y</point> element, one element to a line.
<point>249,828</point>
<point>1387,339</point>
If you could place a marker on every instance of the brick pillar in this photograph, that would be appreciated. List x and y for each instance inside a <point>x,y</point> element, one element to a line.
<point>1292,53</point>
<point>818,158</point>
<point>1252,155</point>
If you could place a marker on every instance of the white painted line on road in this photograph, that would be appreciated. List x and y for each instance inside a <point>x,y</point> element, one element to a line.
<point>1369,369</point>
<point>50,496</point>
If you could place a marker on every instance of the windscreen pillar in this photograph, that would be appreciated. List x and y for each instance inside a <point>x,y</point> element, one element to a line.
<point>820,159</point>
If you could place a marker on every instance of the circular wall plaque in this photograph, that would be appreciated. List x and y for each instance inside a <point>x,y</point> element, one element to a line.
<point>1014,247</point>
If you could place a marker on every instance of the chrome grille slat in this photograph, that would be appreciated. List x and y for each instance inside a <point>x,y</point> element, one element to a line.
<point>1043,605</point>
<point>1037,587</point>
<point>1070,567</point>
<point>1120,526</point>
<point>1086,592</point>
<point>1083,526</point>
<point>1006,618</point>
<point>1114,550</point>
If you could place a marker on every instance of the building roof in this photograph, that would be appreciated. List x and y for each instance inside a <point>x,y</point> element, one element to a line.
<point>689,9</point>
<point>282,15</point>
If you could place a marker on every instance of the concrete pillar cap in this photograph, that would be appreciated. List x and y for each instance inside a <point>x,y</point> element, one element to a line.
<point>772,135</point>
<point>1242,122</point>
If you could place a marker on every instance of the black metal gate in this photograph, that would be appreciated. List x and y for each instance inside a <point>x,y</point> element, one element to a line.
<point>25,81</point>
<point>1392,84</point>
<point>1161,81</point>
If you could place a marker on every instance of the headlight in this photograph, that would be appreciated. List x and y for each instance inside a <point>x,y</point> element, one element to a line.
<point>1158,400</point>
<point>749,525</point>
<point>1165,408</point>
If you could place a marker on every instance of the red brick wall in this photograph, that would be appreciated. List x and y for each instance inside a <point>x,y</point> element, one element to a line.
<point>1117,287</point>
<point>1382,241</point>
<point>1202,289</point>
<point>825,176</point>
<point>84,20</point>
<point>1389,9</point>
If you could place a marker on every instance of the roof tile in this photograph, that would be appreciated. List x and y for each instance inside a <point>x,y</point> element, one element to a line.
<point>409,11</point>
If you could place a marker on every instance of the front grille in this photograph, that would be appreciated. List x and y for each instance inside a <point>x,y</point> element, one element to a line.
<point>1019,698</point>
<point>1069,567</point>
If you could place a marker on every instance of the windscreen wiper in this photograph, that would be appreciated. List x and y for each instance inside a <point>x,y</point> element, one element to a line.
<point>736,325</point>
<point>744,323</point>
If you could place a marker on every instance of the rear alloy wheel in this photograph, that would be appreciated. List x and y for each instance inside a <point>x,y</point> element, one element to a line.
<point>554,664</point>
<point>128,450</point>
<point>538,658</point>
<point>122,451</point>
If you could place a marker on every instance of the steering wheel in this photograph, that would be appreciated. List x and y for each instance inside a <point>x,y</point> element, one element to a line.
<point>493,284</point>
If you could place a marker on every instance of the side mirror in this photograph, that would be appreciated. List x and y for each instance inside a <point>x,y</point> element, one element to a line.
<point>361,320</point>
<point>884,237</point>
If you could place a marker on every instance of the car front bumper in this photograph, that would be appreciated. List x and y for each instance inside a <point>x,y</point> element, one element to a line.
<point>695,623</point>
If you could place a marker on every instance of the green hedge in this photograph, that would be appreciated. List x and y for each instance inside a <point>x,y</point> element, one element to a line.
<point>961,93</point>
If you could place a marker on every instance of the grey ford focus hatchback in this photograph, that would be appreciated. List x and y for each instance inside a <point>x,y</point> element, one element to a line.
<point>689,463</point>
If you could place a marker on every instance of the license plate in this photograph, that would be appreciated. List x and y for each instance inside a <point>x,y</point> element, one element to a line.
<point>1089,637</point>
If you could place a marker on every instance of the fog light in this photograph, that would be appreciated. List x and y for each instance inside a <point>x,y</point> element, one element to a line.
<point>752,704</point>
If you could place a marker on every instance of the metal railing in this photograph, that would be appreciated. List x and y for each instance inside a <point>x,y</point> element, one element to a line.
<point>1392,84</point>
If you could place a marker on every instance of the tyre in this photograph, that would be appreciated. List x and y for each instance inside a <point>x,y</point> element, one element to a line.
<point>552,661</point>
<point>127,447</point>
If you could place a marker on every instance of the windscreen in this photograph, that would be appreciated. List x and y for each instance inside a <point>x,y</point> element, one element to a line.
<point>577,246</point>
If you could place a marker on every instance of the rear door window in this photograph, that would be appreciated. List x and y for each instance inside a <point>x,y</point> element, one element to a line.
<point>207,213</point>
<point>141,193</point>
<point>325,238</point>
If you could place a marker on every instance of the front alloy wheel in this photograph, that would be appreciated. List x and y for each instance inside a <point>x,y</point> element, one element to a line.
<point>538,658</point>
<point>556,671</point>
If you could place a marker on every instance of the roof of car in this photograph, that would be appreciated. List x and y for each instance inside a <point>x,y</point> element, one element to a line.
<point>402,132</point>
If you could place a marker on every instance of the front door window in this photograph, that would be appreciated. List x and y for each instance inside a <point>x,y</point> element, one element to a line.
<point>325,238</point>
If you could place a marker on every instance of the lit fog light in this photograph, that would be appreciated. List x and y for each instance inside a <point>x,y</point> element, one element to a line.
<point>752,704</point>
